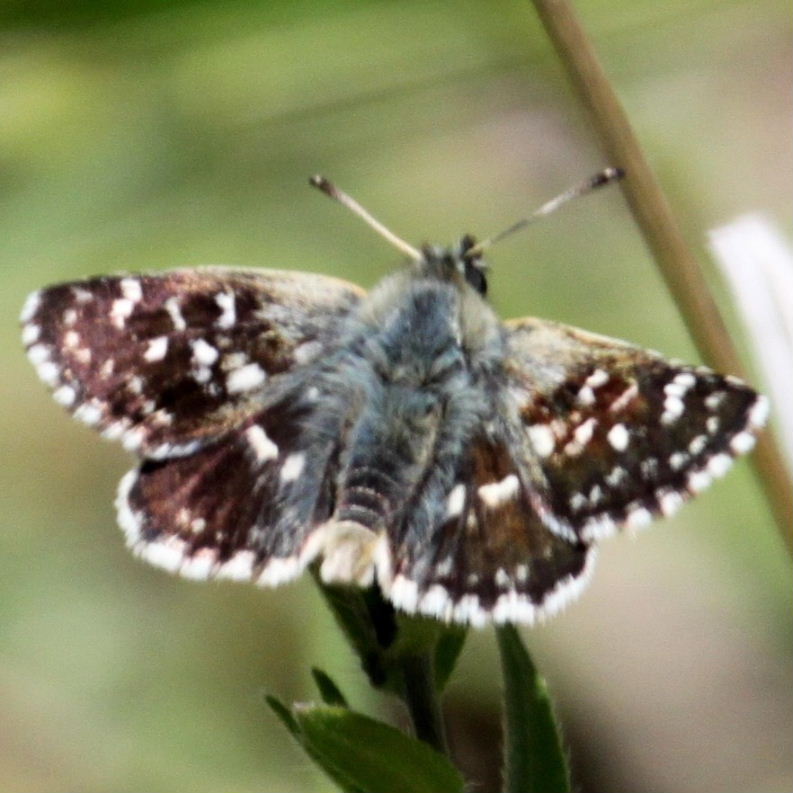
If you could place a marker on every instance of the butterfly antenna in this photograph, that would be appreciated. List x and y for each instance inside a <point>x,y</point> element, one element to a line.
<point>600,179</point>
<point>330,189</point>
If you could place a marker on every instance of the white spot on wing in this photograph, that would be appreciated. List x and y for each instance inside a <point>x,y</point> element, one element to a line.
<point>129,520</point>
<point>758,415</point>
<point>246,378</point>
<point>204,353</point>
<point>578,501</point>
<point>83,355</point>
<point>238,568</point>
<point>678,460</point>
<point>436,603</point>
<point>30,334</point>
<point>586,396</point>
<point>228,310</point>
<point>622,401</point>
<point>618,437</point>
<point>262,446</point>
<point>169,555</point>
<point>456,501</point>
<point>81,295</point>
<point>698,481</point>
<point>49,372</point>
<point>742,442</point>
<point>673,409</point>
<point>583,432</point>
<point>200,566</point>
<point>115,430</point>
<point>444,568</point>
<point>89,413</point>
<point>638,518</point>
<point>712,401</point>
<point>131,289</point>
<point>404,594</point>
<point>121,308</point>
<point>719,464</point>
<point>598,378</point>
<point>502,579</point>
<point>156,349</point>
<point>65,395</point>
<point>498,493</point>
<point>38,353</point>
<point>542,439</point>
<point>293,467</point>
<point>595,495</point>
<point>669,501</point>
<point>133,439</point>
<point>30,307</point>
<point>171,305</point>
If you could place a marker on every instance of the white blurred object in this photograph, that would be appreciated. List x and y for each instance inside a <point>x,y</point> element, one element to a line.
<point>758,264</point>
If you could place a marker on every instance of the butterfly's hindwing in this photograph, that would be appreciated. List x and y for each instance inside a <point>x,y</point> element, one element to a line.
<point>167,361</point>
<point>491,556</point>
<point>245,506</point>
<point>621,433</point>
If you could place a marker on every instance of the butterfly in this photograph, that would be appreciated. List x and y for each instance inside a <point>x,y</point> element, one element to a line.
<point>405,437</point>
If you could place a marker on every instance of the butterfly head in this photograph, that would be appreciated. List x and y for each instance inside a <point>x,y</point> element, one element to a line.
<point>461,261</point>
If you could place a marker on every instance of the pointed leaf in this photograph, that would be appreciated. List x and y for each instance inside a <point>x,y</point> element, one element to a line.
<point>289,721</point>
<point>372,756</point>
<point>328,690</point>
<point>283,713</point>
<point>534,760</point>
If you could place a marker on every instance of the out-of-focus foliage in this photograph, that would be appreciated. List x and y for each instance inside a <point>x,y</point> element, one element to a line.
<point>156,134</point>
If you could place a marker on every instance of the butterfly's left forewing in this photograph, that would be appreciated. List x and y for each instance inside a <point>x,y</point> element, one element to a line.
<point>620,434</point>
<point>166,362</point>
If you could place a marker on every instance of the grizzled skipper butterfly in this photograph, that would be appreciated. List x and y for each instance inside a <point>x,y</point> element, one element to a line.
<point>407,436</point>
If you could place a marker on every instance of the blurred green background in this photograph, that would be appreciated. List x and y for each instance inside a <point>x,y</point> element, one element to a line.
<point>140,136</point>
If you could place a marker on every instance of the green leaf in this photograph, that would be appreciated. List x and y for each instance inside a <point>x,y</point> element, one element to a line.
<point>290,722</point>
<point>534,760</point>
<point>283,713</point>
<point>450,644</point>
<point>328,690</point>
<point>372,757</point>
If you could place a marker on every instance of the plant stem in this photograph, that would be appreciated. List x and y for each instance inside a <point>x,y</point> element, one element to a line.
<point>423,702</point>
<point>679,267</point>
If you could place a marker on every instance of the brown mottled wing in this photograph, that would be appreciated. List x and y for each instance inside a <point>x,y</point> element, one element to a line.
<point>490,555</point>
<point>619,433</point>
<point>167,361</point>
<point>244,508</point>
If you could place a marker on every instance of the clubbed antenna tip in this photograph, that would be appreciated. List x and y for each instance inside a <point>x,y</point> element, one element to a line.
<point>330,189</point>
<point>600,179</point>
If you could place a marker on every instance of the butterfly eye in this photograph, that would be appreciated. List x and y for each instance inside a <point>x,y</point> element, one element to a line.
<point>475,277</point>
